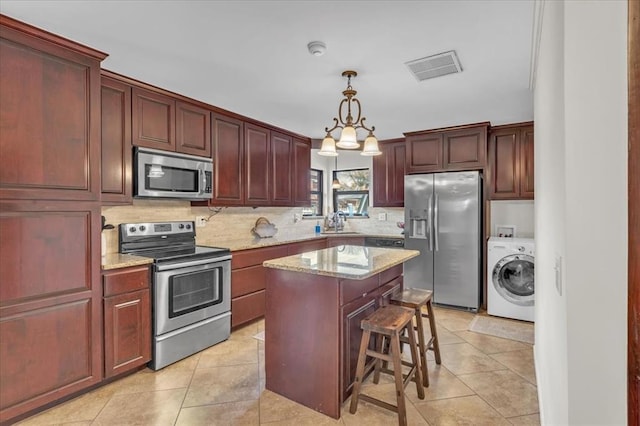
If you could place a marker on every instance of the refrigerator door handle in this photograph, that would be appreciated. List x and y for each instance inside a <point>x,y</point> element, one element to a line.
<point>436,226</point>
<point>430,222</point>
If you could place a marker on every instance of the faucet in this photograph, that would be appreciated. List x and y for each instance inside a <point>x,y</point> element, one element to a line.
<point>337,220</point>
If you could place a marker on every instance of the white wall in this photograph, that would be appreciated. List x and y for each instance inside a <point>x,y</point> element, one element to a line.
<point>581,209</point>
<point>519,213</point>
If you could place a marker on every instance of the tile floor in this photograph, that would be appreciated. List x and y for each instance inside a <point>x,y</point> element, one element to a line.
<point>483,380</point>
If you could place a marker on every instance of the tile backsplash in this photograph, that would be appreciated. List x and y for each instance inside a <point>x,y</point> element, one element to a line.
<point>227,223</point>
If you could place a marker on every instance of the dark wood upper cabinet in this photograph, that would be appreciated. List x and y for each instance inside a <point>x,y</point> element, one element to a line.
<point>256,164</point>
<point>424,153</point>
<point>154,117</point>
<point>193,129</point>
<point>281,169</point>
<point>228,155</point>
<point>116,142</point>
<point>301,172</point>
<point>50,115</point>
<point>388,174</point>
<point>510,172</point>
<point>447,149</point>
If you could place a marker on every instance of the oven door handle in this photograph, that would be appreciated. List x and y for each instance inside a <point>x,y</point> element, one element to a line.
<point>178,265</point>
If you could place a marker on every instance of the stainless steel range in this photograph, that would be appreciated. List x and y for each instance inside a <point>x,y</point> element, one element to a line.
<point>191,288</point>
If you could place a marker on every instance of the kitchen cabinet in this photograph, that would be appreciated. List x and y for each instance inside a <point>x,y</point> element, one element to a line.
<point>257,152</point>
<point>50,293</point>
<point>447,149</point>
<point>228,156</point>
<point>511,166</point>
<point>164,122</point>
<point>388,174</point>
<point>50,303</point>
<point>319,315</point>
<point>248,282</point>
<point>301,172</point>
<point>281,169</point>
<point>258,166</point>
<point>50,114</point>
<point>154,116</point>
<point>127,319</point>
<point>345,240</point>
<point>305,246</point>
<point>116,142</point>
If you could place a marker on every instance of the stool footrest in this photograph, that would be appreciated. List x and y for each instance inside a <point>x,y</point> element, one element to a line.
<point>406,378</point>
<point>378,402</point>
<point>385,357</point>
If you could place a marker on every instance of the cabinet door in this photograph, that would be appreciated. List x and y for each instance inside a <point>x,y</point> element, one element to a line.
<point>281,169</point>
<point>153,120</point>
<point>504,149</point>
<point>424,153</point>
<point>247,308</point>
<point>193,130</point>
<point>50,302</point>
<point>388,175</point>
<point>50,115</point>
<point>127,332</point>
<point>228,154</point>
<point>465,148</point>
<point>526,163</point>
<point>256,165</point>
<point>352,315</point>
<point>116,142</point>
<point>301,173</point>
<point>305,246</point>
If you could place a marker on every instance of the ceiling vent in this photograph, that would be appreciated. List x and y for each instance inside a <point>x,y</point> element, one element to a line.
<point>435,66</point>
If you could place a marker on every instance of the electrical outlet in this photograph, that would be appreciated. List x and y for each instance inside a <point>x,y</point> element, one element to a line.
<point>382,216</point>
<point>201,221</point>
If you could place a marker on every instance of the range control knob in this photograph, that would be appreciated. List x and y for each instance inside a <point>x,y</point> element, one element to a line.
<point>143,228</point>
<point>181,226</point>
<point>188,226</point>
<point>521,249</point>
<point>132,229</point>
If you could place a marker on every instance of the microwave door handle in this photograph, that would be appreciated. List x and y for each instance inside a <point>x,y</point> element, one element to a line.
<point>203,180</point>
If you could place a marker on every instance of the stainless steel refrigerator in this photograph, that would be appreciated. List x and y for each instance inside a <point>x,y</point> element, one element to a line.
<point>443,220</point>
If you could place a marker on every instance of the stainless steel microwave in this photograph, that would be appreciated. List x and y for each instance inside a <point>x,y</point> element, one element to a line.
<point>161,174</point>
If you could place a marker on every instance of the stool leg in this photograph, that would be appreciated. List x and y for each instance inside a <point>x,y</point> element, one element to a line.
<point>423,347</point>
<point>434,333</point>
<point>362,357</point>
<point>380,347</point>
<point>397,372</point>
<point>416,359</point>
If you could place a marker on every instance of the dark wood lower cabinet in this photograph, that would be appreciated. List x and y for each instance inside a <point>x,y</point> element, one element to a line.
<point>247,308</point>
<point>50,303</point>
<point>313,333</point>
<point>127,320</point>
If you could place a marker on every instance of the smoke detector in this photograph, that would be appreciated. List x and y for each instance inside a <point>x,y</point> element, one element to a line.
<point>317,48</point>
<point>435,66</point>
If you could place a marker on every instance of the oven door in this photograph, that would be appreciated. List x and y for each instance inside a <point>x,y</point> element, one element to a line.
<point>190,292</point>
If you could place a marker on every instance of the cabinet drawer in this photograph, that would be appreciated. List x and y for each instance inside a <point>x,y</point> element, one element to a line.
<point>390,274</point>
<point>244,258</point>
<point>247,308</point>
<point>124,280</point>
<point>305,246</point>
<point>248,280</point>
<point>353,289</point>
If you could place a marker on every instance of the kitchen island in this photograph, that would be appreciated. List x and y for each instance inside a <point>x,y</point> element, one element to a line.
<point>314,304</point>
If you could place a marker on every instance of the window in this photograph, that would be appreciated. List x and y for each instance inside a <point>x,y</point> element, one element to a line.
<point>352,197</point>
<point>316,195</point>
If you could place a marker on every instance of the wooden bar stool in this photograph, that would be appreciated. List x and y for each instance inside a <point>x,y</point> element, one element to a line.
<point>388,322</point>
<point>415,299</point>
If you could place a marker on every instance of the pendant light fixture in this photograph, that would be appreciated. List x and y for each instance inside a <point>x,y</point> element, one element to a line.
<point>336,183</point>
<point>348,136</point>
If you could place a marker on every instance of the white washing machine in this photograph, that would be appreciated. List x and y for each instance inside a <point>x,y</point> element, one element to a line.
<point>510,281</point>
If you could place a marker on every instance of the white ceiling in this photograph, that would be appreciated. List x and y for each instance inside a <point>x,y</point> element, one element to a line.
<point>251,57</point>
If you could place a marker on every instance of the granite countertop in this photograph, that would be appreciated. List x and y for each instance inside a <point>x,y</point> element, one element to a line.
<point>244,243</point>
<point>351,262</point>
<point>117,260</point>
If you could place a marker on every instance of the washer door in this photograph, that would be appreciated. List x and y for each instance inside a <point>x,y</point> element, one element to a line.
<point>513,279</point>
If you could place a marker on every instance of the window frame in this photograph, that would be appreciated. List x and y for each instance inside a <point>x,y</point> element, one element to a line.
<point>366,193</point>
<point>319,193</point>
